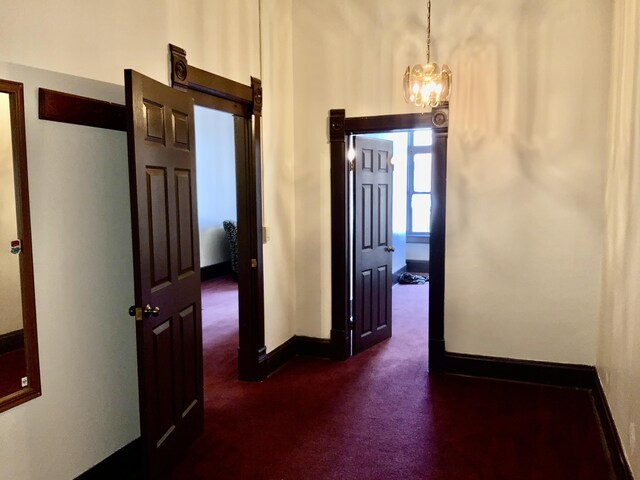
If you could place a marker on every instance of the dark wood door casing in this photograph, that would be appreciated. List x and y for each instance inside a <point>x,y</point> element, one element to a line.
<point>373,194</point>
<point>340,127</point>
<point>166,267</point>
<point>245,103</point>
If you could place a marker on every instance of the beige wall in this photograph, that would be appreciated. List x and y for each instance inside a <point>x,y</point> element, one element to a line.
<point>80,206</point>
<point>619,341</point>
<point>526,158</point>
<point>526,167</point>
<point>525,186</point>
<point>99,39</point>
<point>78,179</point>
<point>10,299</point>
<point>278,194</point>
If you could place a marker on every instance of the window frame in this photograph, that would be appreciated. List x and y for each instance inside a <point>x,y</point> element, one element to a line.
<point>412,151</point>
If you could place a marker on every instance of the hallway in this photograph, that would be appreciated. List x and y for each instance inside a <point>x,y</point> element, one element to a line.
<point>380,415</point>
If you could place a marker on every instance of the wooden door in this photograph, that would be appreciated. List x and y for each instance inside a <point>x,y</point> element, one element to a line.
<point>167,268</point>
<point>373,192</point>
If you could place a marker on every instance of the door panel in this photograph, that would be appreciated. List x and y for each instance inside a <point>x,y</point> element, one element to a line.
<point>163,381</point>
<point>373,183</point>
<point>184,210</point>
<point>166,264</point>
<point>188,339</point>
<point>158,226</point>
<point>383,214</point>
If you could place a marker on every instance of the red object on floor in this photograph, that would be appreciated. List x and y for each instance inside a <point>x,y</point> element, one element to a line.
<point>381,415</point>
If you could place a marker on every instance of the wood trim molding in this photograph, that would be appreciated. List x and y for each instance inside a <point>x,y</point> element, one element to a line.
<point>215,271</point>
<point>387,123</point>
<point>418,266</point>
<point>541,373</point>
<point>548,373</point>
<point>212,84</point>
<point>245,103</point>
<point>339,127</point>
<point>252,349</point>
<point>313,347</point>
<point>67,108</point>
<point>340,303</point>
<point>256,96</point>
<point>440,122</point>
<point>610,433</point>
<point>298,345</point>
<point>281,355</point>
<point>179,67</point>
<point>188,77</point>
<point>124,463</point>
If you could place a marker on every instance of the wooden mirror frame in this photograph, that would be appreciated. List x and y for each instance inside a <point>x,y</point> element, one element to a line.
<point>15,91</point>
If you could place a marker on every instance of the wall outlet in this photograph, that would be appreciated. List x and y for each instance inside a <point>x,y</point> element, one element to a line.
<point>632,438</point>
<point>24,382</point>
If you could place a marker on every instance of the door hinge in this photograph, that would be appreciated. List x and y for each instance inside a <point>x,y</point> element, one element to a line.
<point>352,165</point>
<point>254,263</point>
<point>351,324</point>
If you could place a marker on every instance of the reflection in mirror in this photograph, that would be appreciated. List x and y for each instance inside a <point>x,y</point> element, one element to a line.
<point>19,372</point>
<point>12,360</point>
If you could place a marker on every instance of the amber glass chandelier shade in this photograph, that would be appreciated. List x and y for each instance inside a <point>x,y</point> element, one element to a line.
<point>427,85</point>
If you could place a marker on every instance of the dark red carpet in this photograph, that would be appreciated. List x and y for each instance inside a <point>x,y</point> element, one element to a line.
<point>380,415</point>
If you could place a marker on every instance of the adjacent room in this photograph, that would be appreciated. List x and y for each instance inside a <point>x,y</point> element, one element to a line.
<point>217,218</point>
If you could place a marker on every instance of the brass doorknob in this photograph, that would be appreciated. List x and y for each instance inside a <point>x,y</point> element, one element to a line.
<point>389,248</point>
<point>148,311</point>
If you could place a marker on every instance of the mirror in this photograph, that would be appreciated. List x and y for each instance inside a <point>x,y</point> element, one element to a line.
<point>19,367</point>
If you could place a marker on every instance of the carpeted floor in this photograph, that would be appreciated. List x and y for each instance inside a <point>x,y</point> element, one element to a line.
<point>380,415</point>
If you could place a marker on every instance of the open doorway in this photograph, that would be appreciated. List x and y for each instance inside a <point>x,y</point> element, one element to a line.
<point>390,219</point>
<point>341,128</point>
<point>244,105</point>
<point>217,226</point>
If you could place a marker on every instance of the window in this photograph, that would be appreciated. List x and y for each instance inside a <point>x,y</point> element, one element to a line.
<point>419,186</point>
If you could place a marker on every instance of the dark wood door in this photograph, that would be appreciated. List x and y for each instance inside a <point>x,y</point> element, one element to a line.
<point>373,192</point>
<point>167,268</point>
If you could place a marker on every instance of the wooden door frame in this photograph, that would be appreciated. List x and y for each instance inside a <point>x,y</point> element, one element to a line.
<point>340,127</point>
<point>245,103</point>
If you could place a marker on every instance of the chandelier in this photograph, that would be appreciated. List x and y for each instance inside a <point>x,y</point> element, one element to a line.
<point>427,85</point>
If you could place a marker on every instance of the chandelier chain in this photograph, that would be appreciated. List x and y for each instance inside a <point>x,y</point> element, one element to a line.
<point>427,85</point>
<point>429,31</point>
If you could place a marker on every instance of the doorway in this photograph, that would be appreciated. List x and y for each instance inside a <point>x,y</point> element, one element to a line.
<point>401,163</point>
<point>168,310</point>
<point>341,128</point>
<point>244,104</point>
<point>217,226</point>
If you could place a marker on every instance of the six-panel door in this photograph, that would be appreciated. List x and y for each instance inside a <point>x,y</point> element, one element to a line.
<point>167,272</point>
<point>373,184</point>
